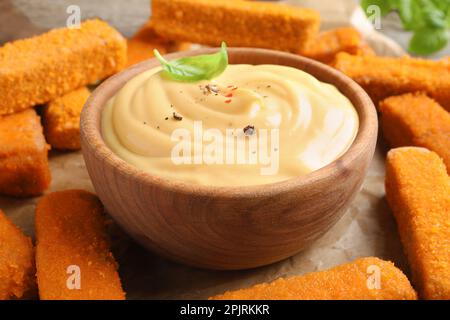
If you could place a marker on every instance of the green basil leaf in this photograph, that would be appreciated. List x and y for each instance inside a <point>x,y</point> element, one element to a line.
<point>410,13</point>
<point>433,16</point>
<point>448,18</point>
<point>442,5</point>
<point>405,10</point>
<point>427,41</point>
<point>197,68</point>
<point>428,19</point>
<point>385,6</point>
<point>435,19</point>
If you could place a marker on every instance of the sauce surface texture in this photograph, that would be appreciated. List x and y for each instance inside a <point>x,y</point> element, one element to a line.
<point>254,124</point>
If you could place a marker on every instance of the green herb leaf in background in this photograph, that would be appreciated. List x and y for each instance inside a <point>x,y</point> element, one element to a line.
<point>429,20</point>
<point>448,18</point>
<point>433,16</point>
<point>442,5</point>
<point>197,68</point>
<point>411,14</point>
<point>428,40</point>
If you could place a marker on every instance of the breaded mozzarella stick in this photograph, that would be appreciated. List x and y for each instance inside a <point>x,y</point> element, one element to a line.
<point>417,120</point>
<point>17,279</point>
<point>24,169</point>
<point>142,44</point>
<point>73,259</point>
<point>328,44</point>
<point>238,23</point>
<point>61,119</point>
<point>418,192</point>
<point>362,279</point>
<point>385,77</point>
<point>39,69</point>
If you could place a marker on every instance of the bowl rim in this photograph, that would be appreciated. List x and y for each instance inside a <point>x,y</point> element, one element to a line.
<point>90,130</point>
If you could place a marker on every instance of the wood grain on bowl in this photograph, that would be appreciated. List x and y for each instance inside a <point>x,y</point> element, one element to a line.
<point>228,227</point>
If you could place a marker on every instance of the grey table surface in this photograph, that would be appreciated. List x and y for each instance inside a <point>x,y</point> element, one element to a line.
<point>22,18</point>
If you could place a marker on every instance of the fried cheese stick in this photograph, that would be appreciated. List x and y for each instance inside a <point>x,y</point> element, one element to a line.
<point>61,119</point>
<point>417,120</point>
<point>42,68</point>
<point>142,44</point>
<point>24,169</point>
<point>73,259</point>
<point>418,192</point>
<point>384,77</point>
<point>345,282</point>
<point>17,279</point>
<point>328,44</point>
<point>238,23</point>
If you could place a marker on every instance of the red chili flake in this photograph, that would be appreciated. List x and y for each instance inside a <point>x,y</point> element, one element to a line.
<point>228,95</point>
<point>228,101</point>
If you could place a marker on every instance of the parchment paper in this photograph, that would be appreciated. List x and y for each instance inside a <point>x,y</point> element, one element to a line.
<point>367,229</point>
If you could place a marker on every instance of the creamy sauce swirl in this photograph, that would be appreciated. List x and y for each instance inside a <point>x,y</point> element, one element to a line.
<point>308,125</point>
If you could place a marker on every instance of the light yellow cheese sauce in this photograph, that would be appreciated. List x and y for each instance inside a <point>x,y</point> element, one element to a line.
<point>251,125</point>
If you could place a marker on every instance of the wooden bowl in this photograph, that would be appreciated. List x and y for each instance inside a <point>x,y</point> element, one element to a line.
<point>228,227</point>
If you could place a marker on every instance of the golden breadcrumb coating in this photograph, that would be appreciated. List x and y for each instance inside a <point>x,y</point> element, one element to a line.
<point>328,44</point>
<point>238,23</point>
<point>418,192</point>
<point>142,44</point>
<point>345,282</point>
<point>24,167</point>
<point>384,77</point>
<point>42,68</point>
<point>417,120</point>
<point>70,231</point>
<point>17,279</point>
<point>61,119</point>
